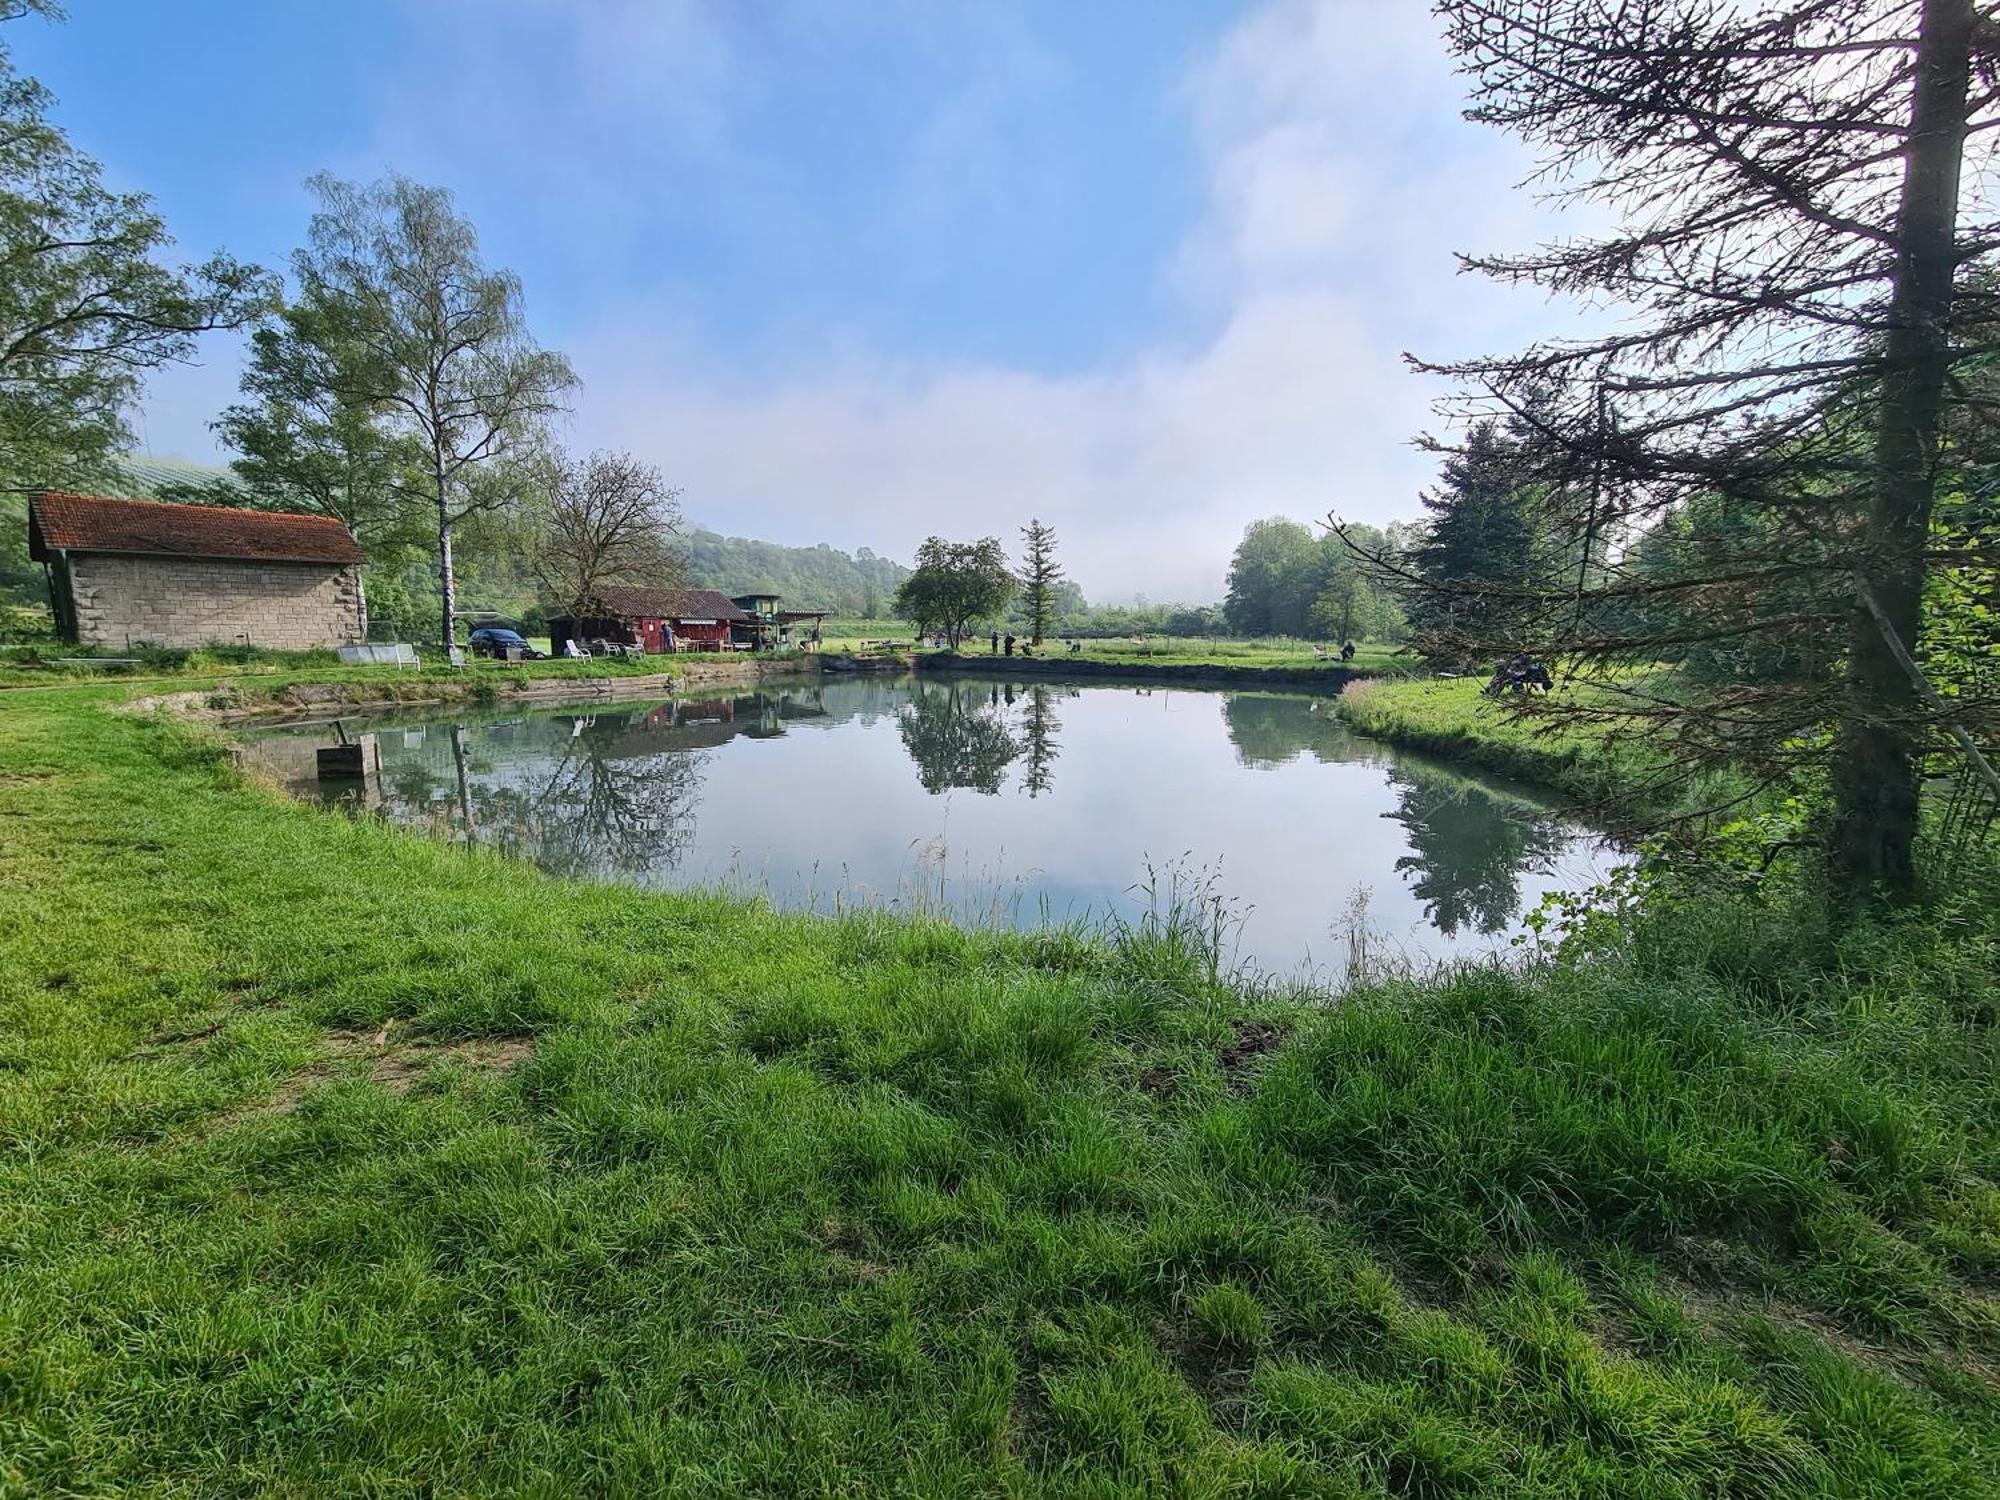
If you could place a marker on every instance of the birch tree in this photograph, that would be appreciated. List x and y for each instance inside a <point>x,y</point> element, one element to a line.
<point>434,346</point>
<point>307,438</point>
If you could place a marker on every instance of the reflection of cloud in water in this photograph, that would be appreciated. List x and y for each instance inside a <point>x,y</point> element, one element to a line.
<point>992,801</point>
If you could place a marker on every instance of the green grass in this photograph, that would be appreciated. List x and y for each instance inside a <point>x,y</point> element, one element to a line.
<point>1620,779</point>
<point>1275,652</point>
<point>1279,653</point>
<point>334,1160</point>
<point>251,675</point>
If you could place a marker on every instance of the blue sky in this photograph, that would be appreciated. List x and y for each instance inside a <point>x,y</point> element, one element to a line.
<point>856,272</point>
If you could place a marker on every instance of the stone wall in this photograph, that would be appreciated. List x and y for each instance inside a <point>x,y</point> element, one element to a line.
<point>191,602</point>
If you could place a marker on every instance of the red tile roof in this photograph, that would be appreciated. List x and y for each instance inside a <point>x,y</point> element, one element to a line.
<point>59,521</point>
<point>671,604</point>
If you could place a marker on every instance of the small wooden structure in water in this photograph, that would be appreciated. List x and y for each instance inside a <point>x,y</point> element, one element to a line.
<point>353,759</point>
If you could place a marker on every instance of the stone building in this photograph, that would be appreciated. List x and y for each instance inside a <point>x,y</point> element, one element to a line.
<point>127,573</point>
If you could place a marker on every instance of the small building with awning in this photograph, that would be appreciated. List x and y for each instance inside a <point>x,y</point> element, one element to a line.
<point>654,621</point>
<point>800,626</point>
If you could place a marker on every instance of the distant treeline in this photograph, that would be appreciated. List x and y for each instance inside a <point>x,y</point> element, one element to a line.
<point>858,586</point>
<point>1287,580</point>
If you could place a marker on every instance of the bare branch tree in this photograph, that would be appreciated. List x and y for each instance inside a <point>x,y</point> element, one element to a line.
<point>611,521</point>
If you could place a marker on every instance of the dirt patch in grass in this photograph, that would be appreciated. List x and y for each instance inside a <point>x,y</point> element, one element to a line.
<point>1242,1058</point>
<point>1027,1419</point>
<point>846,1253</point>
<point>397,1064</point>
<point>1217,1371</point>
<point>1720,1310</point>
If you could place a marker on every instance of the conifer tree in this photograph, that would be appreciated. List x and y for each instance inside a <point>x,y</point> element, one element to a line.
<point>1473,555</point>
<point>1041,577</point>
<point>1802,215</point>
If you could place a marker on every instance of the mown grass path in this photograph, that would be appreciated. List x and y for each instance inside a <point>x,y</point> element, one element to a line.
<point>336,1161</point>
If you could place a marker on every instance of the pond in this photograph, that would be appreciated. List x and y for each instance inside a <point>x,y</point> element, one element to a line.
<point>994,802</point>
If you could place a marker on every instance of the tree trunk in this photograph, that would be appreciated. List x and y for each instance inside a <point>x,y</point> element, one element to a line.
<point>1875,768</point>
<point>447,577</point>
<point>461,760</point>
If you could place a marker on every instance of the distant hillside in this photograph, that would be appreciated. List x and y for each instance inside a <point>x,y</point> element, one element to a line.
<point>806,577</point>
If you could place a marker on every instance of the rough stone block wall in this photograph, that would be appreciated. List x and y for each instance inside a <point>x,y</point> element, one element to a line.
<point>193,602</point>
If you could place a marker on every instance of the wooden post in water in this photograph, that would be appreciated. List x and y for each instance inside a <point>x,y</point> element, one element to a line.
<point>351,759</point>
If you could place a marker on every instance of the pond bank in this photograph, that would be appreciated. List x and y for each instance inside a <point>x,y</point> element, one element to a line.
<point>233,701</point>
<point>1332,677</point>
<point>1624,785</point>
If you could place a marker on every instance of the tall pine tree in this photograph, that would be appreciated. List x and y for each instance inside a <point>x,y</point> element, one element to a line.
<point>1476,550</point>
<point>1800,232</point>
<point>1041,577</point>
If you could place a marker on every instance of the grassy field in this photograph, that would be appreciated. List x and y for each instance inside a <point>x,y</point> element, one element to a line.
<point>1279,652</point>
<point>251,674</point>
<point>339,1161</point>
<point>1623,781</point>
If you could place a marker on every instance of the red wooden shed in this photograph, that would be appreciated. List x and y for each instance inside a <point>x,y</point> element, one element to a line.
<point>654,620</point>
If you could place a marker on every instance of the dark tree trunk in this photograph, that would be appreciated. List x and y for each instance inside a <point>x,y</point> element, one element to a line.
<point>1875,769</point>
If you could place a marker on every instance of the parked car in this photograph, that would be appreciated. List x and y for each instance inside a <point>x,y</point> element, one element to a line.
<point>492,640</point>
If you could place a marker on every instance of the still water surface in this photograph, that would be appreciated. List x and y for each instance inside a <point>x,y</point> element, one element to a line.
<point>994,802</point>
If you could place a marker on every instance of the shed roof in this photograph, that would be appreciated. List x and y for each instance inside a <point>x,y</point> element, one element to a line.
<point>62,522</point>
<point>670,604</point>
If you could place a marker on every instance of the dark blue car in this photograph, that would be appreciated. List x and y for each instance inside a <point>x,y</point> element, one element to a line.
<point>494,640</point>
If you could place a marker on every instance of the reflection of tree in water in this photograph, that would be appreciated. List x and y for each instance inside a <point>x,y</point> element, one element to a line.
<point>957,734</point>
<point>602,804</point>
<point>1274,729</point>
<point>1039,726</point>
<point>1469,848</point>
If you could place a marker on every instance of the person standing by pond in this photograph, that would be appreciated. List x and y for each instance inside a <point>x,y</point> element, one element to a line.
<point>996,642</point>
<point>1010,643</point>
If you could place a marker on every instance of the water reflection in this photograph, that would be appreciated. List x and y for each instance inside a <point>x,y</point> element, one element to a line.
<point>1470,847</point>
<point>1276,729</point>
<point>1039,727</point>
<point>965,734</point>
<point>605,800</point>
<point>802,788</point>
<point>1470,841</point>
<point>958,735</point>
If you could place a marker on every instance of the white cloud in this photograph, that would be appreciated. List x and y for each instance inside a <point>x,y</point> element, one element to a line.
<point>1338,181</point>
